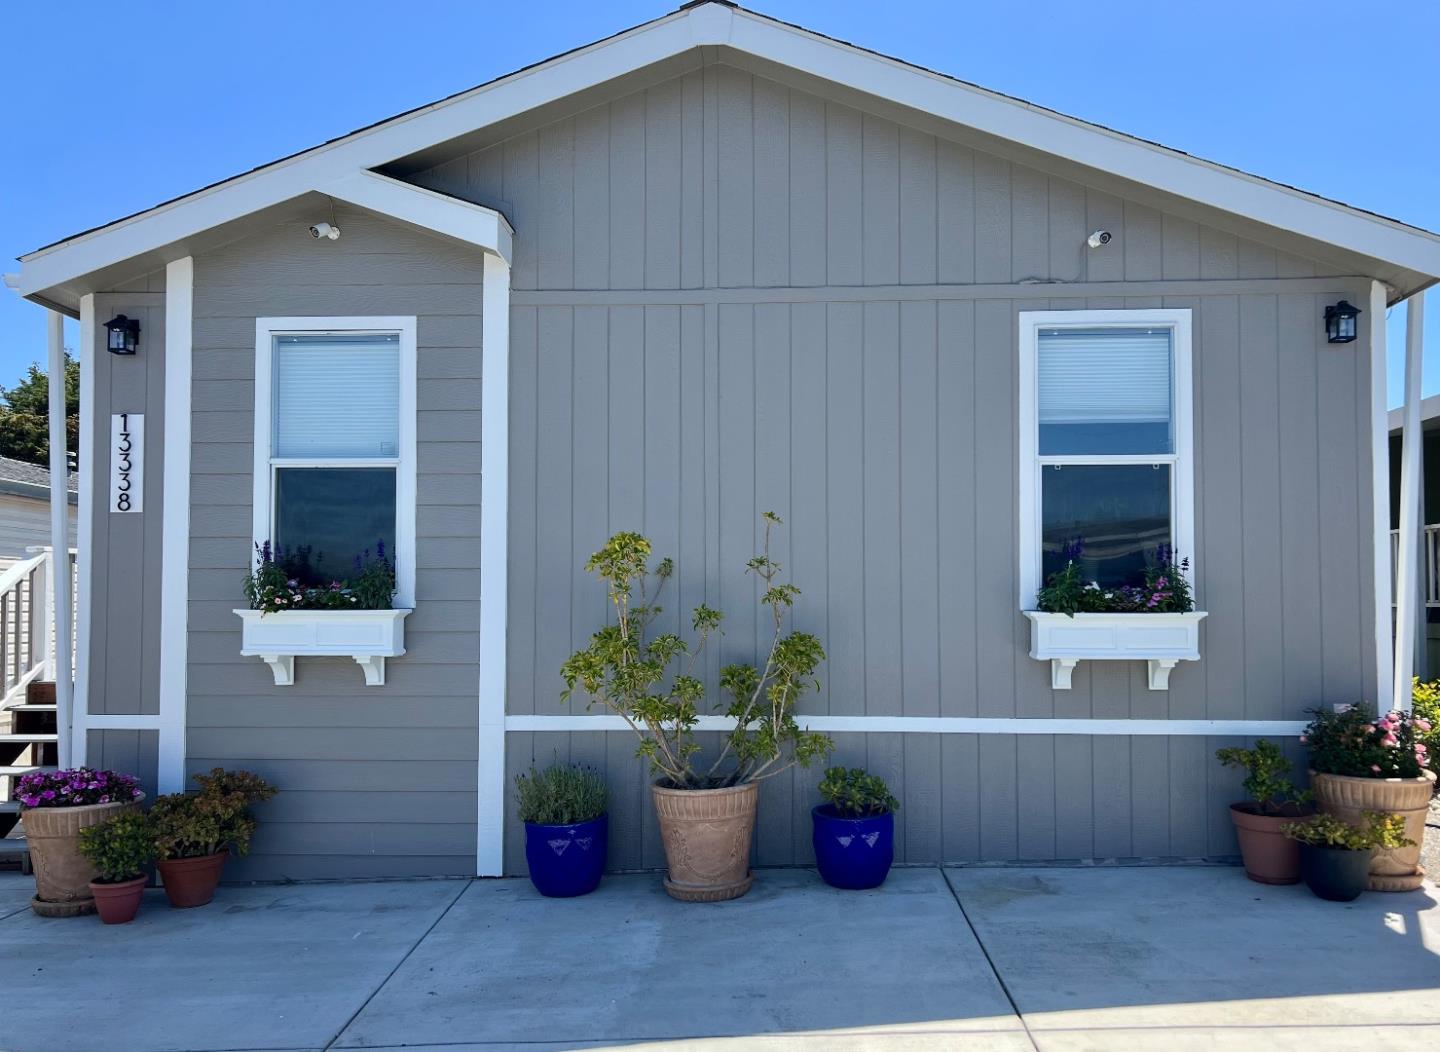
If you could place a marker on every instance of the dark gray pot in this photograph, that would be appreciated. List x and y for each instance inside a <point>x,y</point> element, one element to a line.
<point>1334,873</point>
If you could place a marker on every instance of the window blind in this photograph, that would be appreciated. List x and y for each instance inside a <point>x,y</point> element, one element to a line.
<point>337,396</point>
<point>1102,376</point>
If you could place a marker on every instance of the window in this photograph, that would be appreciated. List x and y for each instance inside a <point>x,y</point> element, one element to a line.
<point>1106,471</point>
<point>335,444</point>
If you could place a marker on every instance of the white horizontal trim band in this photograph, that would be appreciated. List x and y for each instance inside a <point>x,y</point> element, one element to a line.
<point>950,725</point>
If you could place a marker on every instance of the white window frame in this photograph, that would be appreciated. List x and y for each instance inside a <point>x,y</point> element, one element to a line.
<point>1181,461</point>
<point>263,523</point>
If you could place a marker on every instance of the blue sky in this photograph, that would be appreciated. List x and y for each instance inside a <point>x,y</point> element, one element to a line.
<point>120,104</point>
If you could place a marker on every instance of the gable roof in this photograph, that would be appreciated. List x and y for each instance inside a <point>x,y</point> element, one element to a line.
<point>1406,257</point>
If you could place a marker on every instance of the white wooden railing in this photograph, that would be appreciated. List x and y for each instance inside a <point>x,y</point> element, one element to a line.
<point>1430,575</point>
<point>27,631</point>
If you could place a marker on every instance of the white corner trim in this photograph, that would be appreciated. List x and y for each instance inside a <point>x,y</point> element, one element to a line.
<point>61,597</point>
<point>950,725</point>
<point>471,223</point>
<point>1182,509</point>
<point>84,534</point>
<point>175,526</point>
<point>405,471</point>
<point>1384,640</point>
<point>494,588</point>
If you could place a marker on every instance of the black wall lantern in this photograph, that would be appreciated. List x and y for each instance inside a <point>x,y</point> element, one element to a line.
<point>1340,323</point>
<point>122,334</point>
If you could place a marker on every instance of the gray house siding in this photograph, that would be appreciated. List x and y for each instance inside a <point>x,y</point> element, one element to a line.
<point>735,296</point>
<point>376,781</point>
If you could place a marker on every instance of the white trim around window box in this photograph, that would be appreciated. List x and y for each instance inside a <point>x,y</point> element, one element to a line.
<point>1160,639</point>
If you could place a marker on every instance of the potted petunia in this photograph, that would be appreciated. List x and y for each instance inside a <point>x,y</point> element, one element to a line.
<point>1360,762</point>
<point>55,806</point>
<point>706,810</point>
<point>1335,855</point>
<point>566,828</point>
<point>196,832</point>
<point>1270,856</point>
<point>119,848</point>
<point>854,830</point>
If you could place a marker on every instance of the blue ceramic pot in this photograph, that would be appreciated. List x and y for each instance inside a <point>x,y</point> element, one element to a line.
<point>566,861</point>
<point>853,852</point>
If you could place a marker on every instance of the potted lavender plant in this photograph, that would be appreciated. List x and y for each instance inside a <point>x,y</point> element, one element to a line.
<point>55,807</point>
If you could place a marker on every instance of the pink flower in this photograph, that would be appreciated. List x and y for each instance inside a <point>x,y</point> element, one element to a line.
<point>1375,767</point>
<point>1390,740</point>
<point>1304,739</point>
<point>1369,728</point>
<point>1422,725</point>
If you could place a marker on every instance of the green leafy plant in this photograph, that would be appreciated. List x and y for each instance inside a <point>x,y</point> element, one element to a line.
<point>1378,830</point>
<point>1166,588</point>
<point>1267,781</point>
<point>652,683</point>
<point>120,847</point>
<point>855,794</point>
<point>1357,743</point>
<point>561,795</point>
<point>285,581</point>
<point>217,817</point>
<point>1425,708</point>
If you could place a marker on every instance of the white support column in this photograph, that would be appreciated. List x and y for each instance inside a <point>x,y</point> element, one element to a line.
<point>1384,685</point>
<point>1407,570</point>
<point>84,533</point>
<point>494,518</point>
<point>58,584</point>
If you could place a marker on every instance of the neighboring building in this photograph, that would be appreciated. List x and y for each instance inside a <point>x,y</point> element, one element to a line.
<point>1429,515</point>
<point>711,266</point>
<point>25,508</point>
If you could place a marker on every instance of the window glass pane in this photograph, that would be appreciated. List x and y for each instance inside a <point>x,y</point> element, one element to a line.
<point>325,517</point>
<point>1104,391</point>
<point>337,396</point>
<point>1117,516</point>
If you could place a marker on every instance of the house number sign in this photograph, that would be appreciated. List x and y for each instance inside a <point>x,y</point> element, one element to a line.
<point>127,463</point>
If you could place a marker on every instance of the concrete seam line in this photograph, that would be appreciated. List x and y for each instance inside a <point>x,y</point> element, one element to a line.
<point>398,964</point>
<point>988,959</point>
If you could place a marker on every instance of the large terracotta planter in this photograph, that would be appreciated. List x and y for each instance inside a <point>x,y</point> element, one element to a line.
<point>1391,869</point>
<point>707,836</point>
<point>191,882</point>
<point>1270,856</point>
<point>62,874</point>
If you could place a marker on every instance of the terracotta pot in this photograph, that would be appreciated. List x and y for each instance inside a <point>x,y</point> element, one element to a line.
<point>191,882</point>
<point>62,874</point>
<point>118,903</point>
<point>707,836</point>
<point>1391,869</point>
<point>1270,856</point>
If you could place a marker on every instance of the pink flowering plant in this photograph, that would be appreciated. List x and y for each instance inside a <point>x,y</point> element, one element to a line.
<point>280,581</point>
<point>1164,590</point>
<point>1358,744</point>
<point>77,787</point>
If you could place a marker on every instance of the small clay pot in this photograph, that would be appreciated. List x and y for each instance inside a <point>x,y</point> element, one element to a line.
<point>118,903</point>
<point>1335,873</point>
<point>191,882</point>
<point>1270,856</point>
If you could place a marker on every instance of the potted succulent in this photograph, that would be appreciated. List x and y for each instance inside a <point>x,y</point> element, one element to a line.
<point>1270,856</point>
<point>195,832</point>
<point>566,829</point>
<point>1335,855</point>
<point>854,830</point>
<point>706,812</point>
<point>1360,762</point>
<point>54,807</point>
<point>119,848</point>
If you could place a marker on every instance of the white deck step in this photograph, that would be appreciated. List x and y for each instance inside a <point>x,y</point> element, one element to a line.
<point>9,807</point>
<point>25,707</point>
<point>23,769</point>
<point>29,739</point>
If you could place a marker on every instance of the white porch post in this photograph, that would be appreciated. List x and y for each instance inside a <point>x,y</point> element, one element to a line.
<point>1407,570</point>
<point>60,540</point>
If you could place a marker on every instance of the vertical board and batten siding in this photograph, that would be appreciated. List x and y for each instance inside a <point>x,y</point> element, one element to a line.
<point>734,296</point>
<point>375,781</point>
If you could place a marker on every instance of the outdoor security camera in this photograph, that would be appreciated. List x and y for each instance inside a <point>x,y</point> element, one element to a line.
<point>1100,237</point>
<point>319,230</point>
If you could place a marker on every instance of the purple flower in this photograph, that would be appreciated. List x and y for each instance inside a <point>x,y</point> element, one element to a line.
<point>1073,549</point>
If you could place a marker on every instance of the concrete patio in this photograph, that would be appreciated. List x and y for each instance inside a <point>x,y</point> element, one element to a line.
<point>1054,959</point>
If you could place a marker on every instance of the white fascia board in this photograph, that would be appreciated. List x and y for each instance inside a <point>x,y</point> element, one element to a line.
<point>472,223</point>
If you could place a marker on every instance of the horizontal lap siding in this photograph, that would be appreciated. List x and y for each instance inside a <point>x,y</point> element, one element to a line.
<point>375,781</point>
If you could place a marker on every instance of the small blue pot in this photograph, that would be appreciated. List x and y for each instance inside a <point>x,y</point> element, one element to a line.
<point>566,861</point>
<point>853,853</point>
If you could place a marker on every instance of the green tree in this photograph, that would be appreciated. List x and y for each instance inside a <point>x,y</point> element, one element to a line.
<point>25,414</point>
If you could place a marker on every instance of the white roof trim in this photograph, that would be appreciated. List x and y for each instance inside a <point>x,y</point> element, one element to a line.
<point>717,24</point>
<point>416,205</point>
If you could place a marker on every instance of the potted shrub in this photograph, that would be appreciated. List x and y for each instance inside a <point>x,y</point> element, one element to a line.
<point>706,812</point>
<point>119,848</point>
<point>1359,763</point>
<point>566,829</point>
<point>195,832</point>
<point>1270,856</point>
<point>54,807</point>
<point>1335,855</point>
<point>854,830</point>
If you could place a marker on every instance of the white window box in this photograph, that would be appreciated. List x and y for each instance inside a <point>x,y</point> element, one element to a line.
<point>368,636</point>
<point>1160,640</point>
